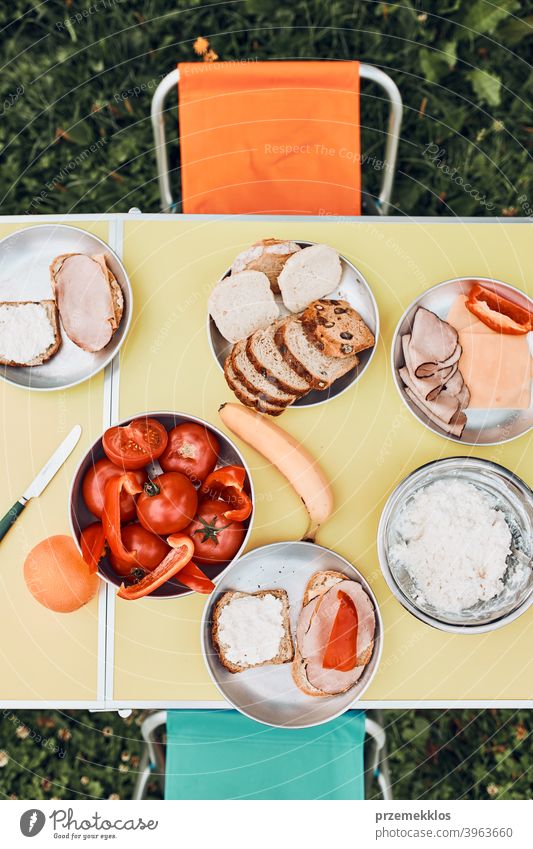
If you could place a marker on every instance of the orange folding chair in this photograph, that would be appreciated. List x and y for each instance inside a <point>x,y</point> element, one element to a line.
<point>278,138</point>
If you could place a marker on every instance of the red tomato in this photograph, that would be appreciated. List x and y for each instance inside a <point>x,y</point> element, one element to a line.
<point>167,503</point>
<point>136,444</point>
<point>94,484</point>
<point>215,539</point>
<point>150,550</point>
<point>191,450</point>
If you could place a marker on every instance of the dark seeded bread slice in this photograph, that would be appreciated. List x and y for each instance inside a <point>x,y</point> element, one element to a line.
<point>296,349</point>
<point>254,381</point>
<point>285,651</point>
<point>246,397</point>
<point>264,355</point>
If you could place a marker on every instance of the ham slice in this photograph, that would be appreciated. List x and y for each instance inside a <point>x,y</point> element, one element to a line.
<point>88,298</point>
<point>431,375</point>
<point>314,629</point>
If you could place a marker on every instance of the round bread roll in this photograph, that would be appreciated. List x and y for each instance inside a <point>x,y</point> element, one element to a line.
<point>268,256</point>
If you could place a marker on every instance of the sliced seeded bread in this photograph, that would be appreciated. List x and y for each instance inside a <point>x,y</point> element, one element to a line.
<point>254,381</point>
<point>255,620</point>
<point>29,332</point>
<point>264,355</point>
<point>296,349</point>
<point>335,328</point>
<point>249,399</point>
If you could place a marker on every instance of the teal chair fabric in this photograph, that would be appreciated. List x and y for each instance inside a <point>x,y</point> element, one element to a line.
<point>221,754</point>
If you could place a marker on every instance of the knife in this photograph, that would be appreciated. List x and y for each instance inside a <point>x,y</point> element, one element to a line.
<point>41,481</point>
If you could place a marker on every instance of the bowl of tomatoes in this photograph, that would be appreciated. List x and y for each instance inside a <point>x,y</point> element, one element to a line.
<point>161,505</point>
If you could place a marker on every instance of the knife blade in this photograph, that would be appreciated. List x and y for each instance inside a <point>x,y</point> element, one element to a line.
<point>42,479</point>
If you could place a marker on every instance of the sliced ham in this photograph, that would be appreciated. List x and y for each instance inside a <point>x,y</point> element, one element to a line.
<point>431,375</point>
<point>313,633</point>
<point>83,288</point>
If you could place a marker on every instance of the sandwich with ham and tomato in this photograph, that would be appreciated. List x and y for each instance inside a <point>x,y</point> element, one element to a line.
<point>334,636</point>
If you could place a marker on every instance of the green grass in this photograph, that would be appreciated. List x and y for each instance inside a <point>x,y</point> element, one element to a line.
<point>433,755</point>
<point>75,133</point>
<point>75,136</point>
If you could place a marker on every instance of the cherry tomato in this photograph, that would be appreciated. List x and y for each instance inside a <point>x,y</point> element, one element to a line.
<point>94,484</point>
<point>215,539</point>
<point>191,450</point>
<point>149,550</point>
<point>136,444</point>
<point>167,504</point>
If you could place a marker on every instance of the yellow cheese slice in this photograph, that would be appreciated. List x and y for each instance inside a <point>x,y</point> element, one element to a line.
<point>496,367</point>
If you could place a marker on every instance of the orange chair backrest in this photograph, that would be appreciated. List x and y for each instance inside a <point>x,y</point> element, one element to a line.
<point>270,137</point>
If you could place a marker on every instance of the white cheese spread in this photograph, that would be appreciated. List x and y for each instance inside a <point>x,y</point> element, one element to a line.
<point>25,332</point>
<point>454,543</point>
<point>251,628</point>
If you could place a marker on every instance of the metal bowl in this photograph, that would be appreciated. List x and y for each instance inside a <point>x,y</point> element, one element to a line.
<point>80,516</point>
<point>513,497</point>
<point>25,257</point>
<point>352,288</point>
<point>268,693</point>
<point>483,427</point>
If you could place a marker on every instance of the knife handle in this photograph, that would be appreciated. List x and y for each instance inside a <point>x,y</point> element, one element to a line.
<point>11,517</point>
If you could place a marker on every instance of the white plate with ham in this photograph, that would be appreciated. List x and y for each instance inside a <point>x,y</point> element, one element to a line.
<point>462,359</point>
<point>85,279</point>
<point>312,688</point>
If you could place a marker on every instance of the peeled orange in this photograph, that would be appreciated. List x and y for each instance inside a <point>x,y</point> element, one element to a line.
<point>57,576</point>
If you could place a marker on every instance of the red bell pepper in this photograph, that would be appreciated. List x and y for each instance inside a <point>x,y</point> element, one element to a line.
<point>227,483</point>
<point>174,562</point>
<point>341,651</point>
<point>92,541</point>
<point>193,577</point>
<point>499,313</point>
<point>111,514</point>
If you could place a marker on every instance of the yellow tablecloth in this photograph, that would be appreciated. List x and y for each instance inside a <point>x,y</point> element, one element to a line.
<point>366,440</point>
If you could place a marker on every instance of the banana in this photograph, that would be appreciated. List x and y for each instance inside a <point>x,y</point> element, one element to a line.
<point>287,455</point>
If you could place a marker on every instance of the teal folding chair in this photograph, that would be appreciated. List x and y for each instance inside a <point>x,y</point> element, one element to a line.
<point>221,754</point>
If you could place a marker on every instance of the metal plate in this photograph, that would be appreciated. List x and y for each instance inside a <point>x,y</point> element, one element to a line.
<point>25,257</point>
<point>483,427</point>
<point>268,693</point>
<point>80,516</point>
<point>352,288</point>
<point>513,498</point>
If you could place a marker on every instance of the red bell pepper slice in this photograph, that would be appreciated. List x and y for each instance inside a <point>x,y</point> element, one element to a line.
<point>193,577</point>
<point>111,514</point>
<point>341,651</point>
<point>92,541</point>
<point>174,562</point>
<point>227,483</point>
<point>499,313</point>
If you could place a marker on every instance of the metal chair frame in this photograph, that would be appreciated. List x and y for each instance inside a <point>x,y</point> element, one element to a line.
<point>153,760</point>
<point>368,73</point>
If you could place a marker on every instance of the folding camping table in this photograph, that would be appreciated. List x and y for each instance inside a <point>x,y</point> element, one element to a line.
<point>116,654</point>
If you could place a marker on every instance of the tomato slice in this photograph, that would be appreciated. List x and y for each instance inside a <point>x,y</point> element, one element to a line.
<point>174,562</point>
<point>499,313</point>
<point>227,483</point>
<point>92,541</point>
<point>135,445</point>
<point>341,651</point>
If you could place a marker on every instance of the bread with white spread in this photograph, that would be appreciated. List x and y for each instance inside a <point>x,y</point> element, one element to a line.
<point>29,332</point>
<point>252,629</point>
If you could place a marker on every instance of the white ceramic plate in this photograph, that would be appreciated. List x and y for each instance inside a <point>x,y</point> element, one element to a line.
<point>268,693</point>
<point>352,288</point>
<point>483,427</point>
<point>25,257</point>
